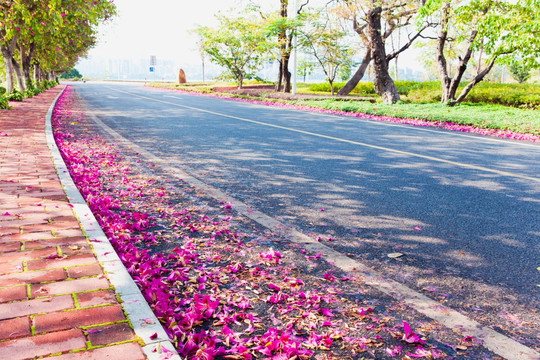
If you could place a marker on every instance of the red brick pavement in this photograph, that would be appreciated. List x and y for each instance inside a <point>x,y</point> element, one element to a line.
<point>55,301</point>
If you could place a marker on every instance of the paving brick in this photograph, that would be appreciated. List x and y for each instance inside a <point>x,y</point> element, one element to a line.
<point>28,255</point>
<point>7,231</point>
<point>37,227</point>
<point>76,249</point>
<point>84,317</point>
<point>69,232</point>
<point>130,351</point>
<point>75,260</point>
<point>9,247</point>
<point>27,236</point>
<point>36,306</point>
<point>83,271</point>
<point>66,241</point>
<point>69,286</point>
<point>32,277</point>
<point>12,267</point>
<point>94,298</point>
<point>65,222</point>
<point>110,334</point>
<point>42,345</point>
<point>15,328</point>
<point>13,293</point>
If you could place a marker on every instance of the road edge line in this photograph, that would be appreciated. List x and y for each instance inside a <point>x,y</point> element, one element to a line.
<point>142,318</point>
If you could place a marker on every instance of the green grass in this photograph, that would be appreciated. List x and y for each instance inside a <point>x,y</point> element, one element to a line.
<point>479,115</point>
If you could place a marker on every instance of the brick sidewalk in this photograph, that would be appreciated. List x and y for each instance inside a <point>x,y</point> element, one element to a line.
<point>54,297</point>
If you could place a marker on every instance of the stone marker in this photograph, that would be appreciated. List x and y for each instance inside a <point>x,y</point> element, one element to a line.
<point>181,77</point>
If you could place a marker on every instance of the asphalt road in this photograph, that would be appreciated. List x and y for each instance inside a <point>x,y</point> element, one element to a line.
<point>463,209</point>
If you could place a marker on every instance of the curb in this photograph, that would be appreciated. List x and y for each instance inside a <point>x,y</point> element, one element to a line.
<point>144,322</point>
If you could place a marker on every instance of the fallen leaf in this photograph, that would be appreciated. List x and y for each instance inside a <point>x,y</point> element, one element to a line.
<point>395,255</point>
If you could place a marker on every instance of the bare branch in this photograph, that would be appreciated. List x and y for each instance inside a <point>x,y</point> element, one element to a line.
<point>408,44</point>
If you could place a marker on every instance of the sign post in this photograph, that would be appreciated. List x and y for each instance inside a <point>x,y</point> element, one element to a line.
<point>152,67</point>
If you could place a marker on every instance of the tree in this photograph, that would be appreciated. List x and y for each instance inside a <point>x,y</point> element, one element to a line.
<point>326,43</point>
<point>283,28</point>
<point>49,35</point>
<point>238,44</point>
<point>367,18</point>
<point>520,72</point>
<point>305,68</point>
<point>71,74</point>
<point>497,29</point>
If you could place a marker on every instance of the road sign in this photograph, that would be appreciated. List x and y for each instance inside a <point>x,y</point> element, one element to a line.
<point>151,69</point>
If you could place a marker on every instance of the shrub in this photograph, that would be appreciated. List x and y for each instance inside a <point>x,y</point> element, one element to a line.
<point>2,90</point>
<point>516,95</point>
<point>16,95</point>
<point>4,104</point>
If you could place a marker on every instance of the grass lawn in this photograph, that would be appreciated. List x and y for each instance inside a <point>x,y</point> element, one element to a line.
<point>480,115</point>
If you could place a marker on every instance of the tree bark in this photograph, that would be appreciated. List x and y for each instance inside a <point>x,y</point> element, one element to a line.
<point>240,81</point>
<point>286,74</point>
<point>279,78</point>
<point>479,77</point>
<point>18,74</point>
<point>26,59</point>
<point>285,42</point>
<point>383,83</point>
<point>442,65</point>
<point>37,74</point>
<point>7,55</point>
<point>8,69</point>
<point>358,75</point>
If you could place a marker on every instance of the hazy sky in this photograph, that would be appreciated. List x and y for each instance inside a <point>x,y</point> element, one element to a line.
<point>158,27</point>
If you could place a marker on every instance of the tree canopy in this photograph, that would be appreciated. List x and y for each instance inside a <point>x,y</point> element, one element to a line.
<point>498,31</point>
<point>239,44</point>
<point>48,36</point>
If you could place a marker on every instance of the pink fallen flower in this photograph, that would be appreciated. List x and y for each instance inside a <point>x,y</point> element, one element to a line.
<point>329,277</point>
<point>394,351</point>
<point>409,336</point>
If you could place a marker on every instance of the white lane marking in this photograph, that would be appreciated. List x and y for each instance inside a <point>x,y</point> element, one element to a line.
<point>440,131</point>
<point>452,319</point>
<point>383,148</point>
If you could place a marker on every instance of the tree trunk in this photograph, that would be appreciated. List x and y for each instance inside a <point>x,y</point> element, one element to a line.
<point>358,75</point>
<point>285,43</point>
<point>203,69</point>
<point>442,64</point>
<point>280,76</point>
<point>8,69</point>
<point>7,55</point>
<point>286,74</point>
<point>26,59</point>
<point>51,75</point>
<point>37,75</point>
<point>478,78</point>
<point>18,75</point>
<point>240,80</point>
<point>383,83</point>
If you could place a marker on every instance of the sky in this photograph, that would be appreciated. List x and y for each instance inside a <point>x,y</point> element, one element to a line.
<point>161,28</point>
<point>158,27</point>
